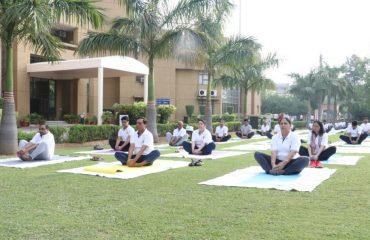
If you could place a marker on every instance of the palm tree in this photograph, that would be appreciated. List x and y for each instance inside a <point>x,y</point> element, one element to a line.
<point>30,22</point>
<point>303,89</point>
<point>249,76</point>
<point>153,31</point>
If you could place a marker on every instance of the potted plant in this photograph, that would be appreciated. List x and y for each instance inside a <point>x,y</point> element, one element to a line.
<point>107,117</point>
<point>24,121</point>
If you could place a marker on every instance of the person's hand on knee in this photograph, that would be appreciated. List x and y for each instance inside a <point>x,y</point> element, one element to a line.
<point>131,163</point>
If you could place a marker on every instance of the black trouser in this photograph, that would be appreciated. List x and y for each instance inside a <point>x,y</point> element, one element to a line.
<point>250,135</point>
<point>206,150</point>
<point>269,135</point>
<point>348,140</point>
<point>324,155</point>
<point>294,166</point>
<point>112,143</point>
<point>223,139</point>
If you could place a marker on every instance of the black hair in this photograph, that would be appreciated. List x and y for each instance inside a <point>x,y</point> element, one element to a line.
<point>354,123</point>
<point>124,118</point>
<point>201,120</point>
<point>287,119</point>
<point>321,131</point>
<point>246,119</point>
<point>43,124</point>
<point>144,119</point>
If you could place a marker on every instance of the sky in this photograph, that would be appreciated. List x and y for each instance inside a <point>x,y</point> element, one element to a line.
<point>298,31</point>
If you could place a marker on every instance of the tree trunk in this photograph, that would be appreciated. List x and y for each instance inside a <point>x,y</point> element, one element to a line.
<point>308,117</point>
<point>151,111</point>
<point>335,107</point>
<point>320,108</point>
<point>245,101</point>
<point>208,113</point>
<point>8,128</point>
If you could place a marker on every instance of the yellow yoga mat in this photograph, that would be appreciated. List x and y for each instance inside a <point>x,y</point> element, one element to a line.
<point>116,169</point>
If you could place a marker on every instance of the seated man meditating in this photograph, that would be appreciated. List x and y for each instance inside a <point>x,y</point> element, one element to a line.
<point>245,130</point>
<point>201,141</point>
<point>122,143</point>
<point>265,130</point>
<point>284,159</point>
<point>41,147</point>
<point>365,127</point>
<point>179,135</point>
<point>221,133</point>
<point>354,134</point>
<point>141,152</point>
<point>318,149</point>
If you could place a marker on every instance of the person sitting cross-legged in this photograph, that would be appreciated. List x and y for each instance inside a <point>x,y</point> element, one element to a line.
<point>141,152</point>
<point>245,130</point>
<point>318,149</point>
<point>354,134</point>
<point>122,143</point>
<point>221,133</point>
<point>201,141</point>
<point>365,127</point>
<point>284,159</point>
<point>179,135</point>
<point>41,147</point>
<point>265,130</point>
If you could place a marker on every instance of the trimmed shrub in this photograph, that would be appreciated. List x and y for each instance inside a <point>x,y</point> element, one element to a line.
<point>162,129</point>
<point>134,111</point>
<point>107,117</point>
<point>189,110</point>
<point>225,117</point>
<point>84,133</point>
<point>25,135</point>
<point>165,112</point>
<point>71,118</point>
<point>230,110</point>
<point>60,133</point>
<point>36,118</point>
<point>202,109</point>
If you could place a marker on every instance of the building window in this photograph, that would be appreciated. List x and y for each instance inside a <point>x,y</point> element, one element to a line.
<point>37,58</point>
<point>140,78</point>
<point>65,34</point>
<point>203,78</point>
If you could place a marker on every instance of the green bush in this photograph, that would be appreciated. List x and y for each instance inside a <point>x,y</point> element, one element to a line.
<point>165,112</point>
<point>226,117</point>
<point>107,117</point>
<point>189,110</point>
<point>134,111</point>
<point>162,129</point>
<point>60,133</point>
<point>230,110</point>
<point>1,102</point>
<point>71,118</point>
<point>36,118</point>
<point>25,135</point>
<point>85,133</point>
<point>202,109</point>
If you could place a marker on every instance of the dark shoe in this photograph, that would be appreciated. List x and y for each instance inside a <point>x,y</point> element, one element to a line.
<point>198,163</point>
<point>192,164</point>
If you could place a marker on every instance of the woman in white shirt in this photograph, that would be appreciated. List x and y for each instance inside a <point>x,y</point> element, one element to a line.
<point>354,135</point>
<point>318,149</point>
<point>201,141</point>
<point>284,159</point>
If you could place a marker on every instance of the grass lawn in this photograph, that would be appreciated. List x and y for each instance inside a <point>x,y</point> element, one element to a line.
<point>39,203</point>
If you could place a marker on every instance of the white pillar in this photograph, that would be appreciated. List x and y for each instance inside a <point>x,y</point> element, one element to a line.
<point>100,94</point>
<point>146,89</point>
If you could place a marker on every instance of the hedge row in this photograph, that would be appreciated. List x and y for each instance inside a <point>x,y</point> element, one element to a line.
<point>87,133</point>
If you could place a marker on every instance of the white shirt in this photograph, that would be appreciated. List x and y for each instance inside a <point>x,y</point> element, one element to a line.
<point>179,133</point>
<point>48,139</point>
<point>324,140</point>
<point>245,129</point>
<point>146,138</point>
<point>354,132</point>
<point>125,133</point>
<point>221,131</point>
<point>277,129</point>
<point>265,128</point>
<point>204,137</point>
<point>365,127</point>
<point>326,126</point>
<point>284,146</point>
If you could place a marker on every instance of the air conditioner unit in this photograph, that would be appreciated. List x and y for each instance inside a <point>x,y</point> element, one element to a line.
<point>202,93</point>
<point>213,93</point>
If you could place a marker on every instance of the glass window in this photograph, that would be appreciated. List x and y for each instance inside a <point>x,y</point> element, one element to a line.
<point>203,78</point>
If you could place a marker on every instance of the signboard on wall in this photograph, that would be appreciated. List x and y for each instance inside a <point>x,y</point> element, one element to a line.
<point>163,101</point>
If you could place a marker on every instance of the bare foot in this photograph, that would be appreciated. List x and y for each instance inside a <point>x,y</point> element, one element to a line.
<point>25,157</point>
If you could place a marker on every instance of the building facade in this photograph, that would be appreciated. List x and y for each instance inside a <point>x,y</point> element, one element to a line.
<point>176,83</point>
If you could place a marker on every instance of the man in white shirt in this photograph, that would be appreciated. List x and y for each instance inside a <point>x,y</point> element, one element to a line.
<point>141,152</point>
<point>354,135</point>
<point>327,126</point>
<point>179,135</point>
<point>201,141</point>
<point>265,129</point>
<point>245,130</point>
<point>221,133</point>
<point>41,147</point>
<point>122,142</point>
<point>365,126</point>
